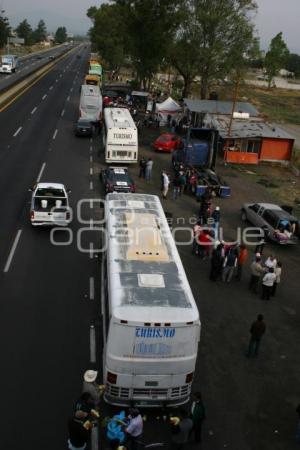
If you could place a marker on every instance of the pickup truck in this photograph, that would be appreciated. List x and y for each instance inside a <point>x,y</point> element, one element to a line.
<point>278,224</point>
<point>50,205</point>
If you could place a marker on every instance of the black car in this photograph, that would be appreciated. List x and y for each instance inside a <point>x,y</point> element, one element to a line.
<point>117,179</point>
<point>84,127</point>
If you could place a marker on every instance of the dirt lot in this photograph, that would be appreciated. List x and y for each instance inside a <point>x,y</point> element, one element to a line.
<point>250,402</point>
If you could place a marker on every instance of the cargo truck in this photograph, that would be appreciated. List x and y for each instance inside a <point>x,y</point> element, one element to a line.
<point>9,63</point>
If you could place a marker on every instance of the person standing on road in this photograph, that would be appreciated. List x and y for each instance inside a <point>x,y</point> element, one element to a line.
<point>78,433</point>
<point>198,416</point>
<point>216,215</point>
<point>196,233</point>
<point>217,259</point>
<point>134,429</point>
<point>180,437</point>
<point>142,165</point>
<point>271,262</point>
<point>242,258</point>
<point>92,387</point>
<point>257,271</point>
<point>166,182</point>
<point>278,270</point>
<point>229,265</point>
<point>148,169</point>
<point>176,187</point>
<point>257,330</point>
<point>267,284</point>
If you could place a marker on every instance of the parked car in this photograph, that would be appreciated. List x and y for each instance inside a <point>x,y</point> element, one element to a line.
<point>117,179</point>
<point>167,143</point>
<point>50,205</point>
<point>84,127</point>
<point>277,223</point>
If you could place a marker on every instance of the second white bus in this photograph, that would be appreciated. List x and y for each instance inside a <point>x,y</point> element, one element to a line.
<point>151,324</point>
<point>120,136</point>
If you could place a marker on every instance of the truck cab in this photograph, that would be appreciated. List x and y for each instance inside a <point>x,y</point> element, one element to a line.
<point>50,205</point>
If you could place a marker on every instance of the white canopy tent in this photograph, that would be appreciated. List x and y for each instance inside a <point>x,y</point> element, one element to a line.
<point>168,107</point>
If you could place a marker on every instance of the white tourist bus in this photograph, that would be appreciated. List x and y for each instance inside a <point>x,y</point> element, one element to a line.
<point>90,106</point>
<point>120,137</point>
<point>151,323</point>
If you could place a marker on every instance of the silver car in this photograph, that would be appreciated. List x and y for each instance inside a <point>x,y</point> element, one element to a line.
<point>278,224</point>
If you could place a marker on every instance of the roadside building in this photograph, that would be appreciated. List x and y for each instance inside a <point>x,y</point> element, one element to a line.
<point>249,139</point>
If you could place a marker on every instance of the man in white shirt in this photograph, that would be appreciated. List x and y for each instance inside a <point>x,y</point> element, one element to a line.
<point>267,284</point>
<point>166,182</point>
<point>134,429</point>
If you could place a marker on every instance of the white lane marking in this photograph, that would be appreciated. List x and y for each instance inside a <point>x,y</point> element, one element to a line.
<point>91,139</point>
<point>68,98</point>
<point>18,131</point>
<point>56,81</point>
<point>34,110</point>
<point>91,171</point>
<point>91,185</point>
<point>91,252</point>
<point>91,158</point>
<point>62,113</point>
<point>91,149</point>
<point>41,172</point>
<point>92,344</point>
<point>12,251</point>
<point>95,438</point>
<point>54,134</point>
<point>50,88</point>
<point>92,288</point>
<point>44,96</point>
<point>60,75</point>
<point>71,90</point>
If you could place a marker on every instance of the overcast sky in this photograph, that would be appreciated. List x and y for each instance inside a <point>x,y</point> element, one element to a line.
<point>273,16</point>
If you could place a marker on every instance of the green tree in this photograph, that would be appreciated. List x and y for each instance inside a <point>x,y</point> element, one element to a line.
<point>276,57</point>
<point>4,30</point>
<point>225,37</point>
<point>24,31</point>
<point>60,35</point>
<point>40,33</point>
<point>182,52</point>
<point>149,28</point>
<point>107,34</point>
<point>293,64</point>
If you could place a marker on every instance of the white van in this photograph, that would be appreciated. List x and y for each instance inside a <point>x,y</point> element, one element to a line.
<point>90,106</point>
<point>120,137</point>
<point>50,205</point>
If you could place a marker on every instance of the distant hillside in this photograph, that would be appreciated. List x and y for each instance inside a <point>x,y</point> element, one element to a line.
<point>53,21</point>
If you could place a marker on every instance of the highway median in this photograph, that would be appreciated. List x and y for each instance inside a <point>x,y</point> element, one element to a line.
<point>10,94</point>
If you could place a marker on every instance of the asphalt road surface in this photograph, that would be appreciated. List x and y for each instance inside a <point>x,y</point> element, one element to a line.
<point>31,63</point>
<point>47,291</point>
<point>50,293</point>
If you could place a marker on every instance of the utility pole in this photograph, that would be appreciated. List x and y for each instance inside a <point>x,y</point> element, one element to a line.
<point>232,113</point>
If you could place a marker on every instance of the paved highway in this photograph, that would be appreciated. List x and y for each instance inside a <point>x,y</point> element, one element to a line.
<point>47,291</point>
<point>30,63</point>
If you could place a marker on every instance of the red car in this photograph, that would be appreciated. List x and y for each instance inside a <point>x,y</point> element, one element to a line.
<point>166,143</point>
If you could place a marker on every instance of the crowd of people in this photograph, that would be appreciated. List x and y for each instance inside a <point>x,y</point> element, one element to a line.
<point>127,430</point>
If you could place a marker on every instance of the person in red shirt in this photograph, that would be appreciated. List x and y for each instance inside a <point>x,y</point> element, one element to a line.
<point>242,258</point>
